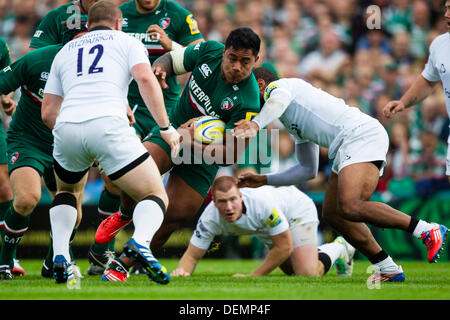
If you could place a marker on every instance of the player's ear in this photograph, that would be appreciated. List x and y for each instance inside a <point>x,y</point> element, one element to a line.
<point>261,84</point>
<point>119,24</point>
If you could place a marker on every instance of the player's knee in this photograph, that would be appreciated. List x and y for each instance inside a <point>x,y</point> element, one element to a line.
<point>161,200</point>
<point>350,210</point>
<point>24,203</point>
<point>308,270</point>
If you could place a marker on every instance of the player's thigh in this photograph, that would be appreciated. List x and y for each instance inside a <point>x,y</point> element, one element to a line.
<point>159,150</point>
<point>5,188</point>
<point>184,199</point>
<point>330,204</point>
<point>304,260</point>
<point>142,181</point>
<point>304,255</point>
<point>357,182</point>
<point>109,185</point>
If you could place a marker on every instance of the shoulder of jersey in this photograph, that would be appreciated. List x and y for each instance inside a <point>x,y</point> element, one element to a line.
<point>442,39</point>
<point>270,88</point>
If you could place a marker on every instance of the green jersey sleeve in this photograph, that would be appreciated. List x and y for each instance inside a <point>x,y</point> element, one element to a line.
<point>50,28</point>
<point>187,27</point>
<point>194,53</point>
<point>5,58</point>
<point>13,76</point>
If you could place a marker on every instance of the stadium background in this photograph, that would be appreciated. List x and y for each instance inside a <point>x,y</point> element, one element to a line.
<point>328,43</point>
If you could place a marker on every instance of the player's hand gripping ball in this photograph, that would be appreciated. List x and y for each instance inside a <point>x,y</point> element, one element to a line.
<point>208,129</point>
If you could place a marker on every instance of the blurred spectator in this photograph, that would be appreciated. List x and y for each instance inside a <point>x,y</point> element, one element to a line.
<point>374,39</point>
<point>324,62</point>
<point>420,28</point>
<point>327,42</point>
<point>391,80</point>
<point>428,165</point>
<point>398,16</point>
<point>401,49</point>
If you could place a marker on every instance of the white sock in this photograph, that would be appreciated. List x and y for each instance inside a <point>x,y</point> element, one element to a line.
<point>333,249</point>
<point>62,221</point>
<point>386,266</point>
<point>147,218</point>
<point>421,227</point>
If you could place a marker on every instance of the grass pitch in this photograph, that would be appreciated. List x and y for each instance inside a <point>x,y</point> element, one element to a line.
<point>213,280</point>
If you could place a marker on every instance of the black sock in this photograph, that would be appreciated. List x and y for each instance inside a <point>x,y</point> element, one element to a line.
<point>412,225</point>
<point>325,259</point>
<point>380,256</point>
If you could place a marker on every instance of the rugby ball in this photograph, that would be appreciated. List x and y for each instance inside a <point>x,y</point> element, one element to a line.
<point>208,129</point>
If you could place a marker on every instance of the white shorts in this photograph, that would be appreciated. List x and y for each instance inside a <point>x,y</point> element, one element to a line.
<point>110,140</point>
<point>303,228</point>
<point>366,143</point>
<point>305,234</point>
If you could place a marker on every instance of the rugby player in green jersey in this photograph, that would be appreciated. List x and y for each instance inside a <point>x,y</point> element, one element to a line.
<point>221,84</point>
<point>52,26</point>
<point>8,104</point>
<point>30,146</point>
<point>162,26</point>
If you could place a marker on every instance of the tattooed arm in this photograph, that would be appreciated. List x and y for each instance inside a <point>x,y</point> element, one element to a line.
<point>421,89</point>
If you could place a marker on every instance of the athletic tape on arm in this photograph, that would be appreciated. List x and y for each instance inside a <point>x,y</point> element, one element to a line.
<point>177,61</point>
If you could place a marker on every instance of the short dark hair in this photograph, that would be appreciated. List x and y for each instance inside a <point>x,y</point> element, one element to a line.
<point>266,74</point>
<point>104,11</point>
<point>243,38</point>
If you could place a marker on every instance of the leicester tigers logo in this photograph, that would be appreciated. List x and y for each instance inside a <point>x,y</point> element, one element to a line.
<point>14,157</point>
<point>164,22</point>
<point>227,104</point>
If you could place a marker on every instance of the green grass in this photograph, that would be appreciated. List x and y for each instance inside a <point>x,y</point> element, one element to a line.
<point>212,281</point>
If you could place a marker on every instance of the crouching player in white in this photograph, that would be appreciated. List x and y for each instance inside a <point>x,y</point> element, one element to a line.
<point>358,144</point>
<point>285,219</point>
<point>85,103</point>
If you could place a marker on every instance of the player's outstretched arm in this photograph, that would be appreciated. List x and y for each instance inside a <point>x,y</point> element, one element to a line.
<point>421,89</point>
<point>188,261</point>
<point>281,250</point>
<point>308,157</point>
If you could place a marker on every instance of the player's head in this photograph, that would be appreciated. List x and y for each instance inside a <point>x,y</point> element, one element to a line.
<point>227,198</point>
<point>105,13</point>
<point>146,6</point>
<point>447,14</point>
<point>240,54</point>
<point>263,76</point>
<point>85,5</point>
<point>74,30</point>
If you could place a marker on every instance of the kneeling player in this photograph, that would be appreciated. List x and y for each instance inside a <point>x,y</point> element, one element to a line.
<point>285,219</point>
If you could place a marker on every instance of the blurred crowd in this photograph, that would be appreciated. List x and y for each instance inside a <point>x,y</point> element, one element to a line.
<point>329,43</point>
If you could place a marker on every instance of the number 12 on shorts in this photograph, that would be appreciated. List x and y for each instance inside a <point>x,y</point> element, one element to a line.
<point>98,50</point>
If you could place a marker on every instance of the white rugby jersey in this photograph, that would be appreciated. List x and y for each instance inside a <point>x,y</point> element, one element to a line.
<point>268,211</point>
<point>438,65</point>
<point>92,74</point>
<point>310,114</point>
